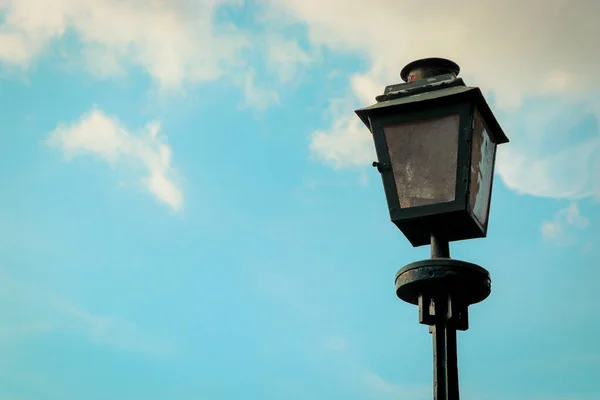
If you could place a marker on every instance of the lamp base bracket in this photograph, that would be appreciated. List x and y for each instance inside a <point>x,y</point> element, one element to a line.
<point>456,283</point>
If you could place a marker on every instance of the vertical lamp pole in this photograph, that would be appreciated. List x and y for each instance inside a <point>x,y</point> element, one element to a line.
<point>436,144</point>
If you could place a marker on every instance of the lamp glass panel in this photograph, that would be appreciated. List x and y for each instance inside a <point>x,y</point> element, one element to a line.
<point>424,157</point>
<point>483,153</point>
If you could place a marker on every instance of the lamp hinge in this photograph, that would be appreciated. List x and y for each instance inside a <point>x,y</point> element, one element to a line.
<point>466,175</point>
<point>381,167</point>
<point>466,167</point>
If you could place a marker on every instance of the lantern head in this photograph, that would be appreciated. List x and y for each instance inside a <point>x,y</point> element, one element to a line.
<point>436,141</point>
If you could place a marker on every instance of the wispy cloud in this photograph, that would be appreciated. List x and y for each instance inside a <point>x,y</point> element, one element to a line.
<point>102,136</point>
<point>380,388</point>
<point>118,333</point>
<point>548,396</point>
<point>373,385</point>
<point>332,353</point>
<point>555,149</point>
<point>36,311</point>
<point>336,343</point>
<point>345,144</point>
<point>285,57</point>
<point>255,96</point>
<point>563,226</point>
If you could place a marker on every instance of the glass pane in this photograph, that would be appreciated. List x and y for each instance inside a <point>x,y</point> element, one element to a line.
<point>424,160</point>
<point>482,170</point>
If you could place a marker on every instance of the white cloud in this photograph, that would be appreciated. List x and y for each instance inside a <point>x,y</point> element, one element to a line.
<point>285,57</point>
<point>535,55</point>
<point>550,51</point>
<point>552,155</point>
<point>104,137</point>
<point>561,229</point>
<point>255,96</point>
<point>347,143</point>
<point>175,41</point>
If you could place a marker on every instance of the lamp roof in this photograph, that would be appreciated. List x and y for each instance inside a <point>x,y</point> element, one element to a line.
<point>434,98</point>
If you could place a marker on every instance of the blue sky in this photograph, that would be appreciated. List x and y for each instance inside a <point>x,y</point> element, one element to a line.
<point>188,209</point>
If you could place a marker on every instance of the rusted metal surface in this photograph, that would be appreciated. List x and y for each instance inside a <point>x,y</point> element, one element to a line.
<point>467,280</point>
<point>427,68</point>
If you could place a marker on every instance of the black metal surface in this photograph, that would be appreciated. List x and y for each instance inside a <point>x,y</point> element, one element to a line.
<point>467,281</point>
<point>430,67</point>
<point>439,81</point>
<point>451,217</point>
<point>399,90</point>
<point>456,224</point>
<point>443,288</point>
<point>445,354</point>
<point>381,167</point>
<point>440,248</point>
<point>435,98</point>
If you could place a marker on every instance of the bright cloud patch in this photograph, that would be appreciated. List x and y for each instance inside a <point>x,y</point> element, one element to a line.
<point>346,144</point>
<point>180,42</point>
<point>536,55</point>
<point>560,229</point>
<point>285,57</point>
<point>175,41</point>
<point>100,135</point>
<point>555,151</point>
<point>533,60</point>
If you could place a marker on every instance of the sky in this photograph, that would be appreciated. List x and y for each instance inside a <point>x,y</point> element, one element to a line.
<point>188,210</point>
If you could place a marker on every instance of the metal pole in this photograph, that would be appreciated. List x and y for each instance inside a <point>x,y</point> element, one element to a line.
<point>445,365</point>
<point>443,289</point>
<point>439,354</point>
<point>445,360</point>
<point>440,248</point>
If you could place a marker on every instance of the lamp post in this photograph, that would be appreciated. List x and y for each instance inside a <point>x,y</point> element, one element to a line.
<point>436,141</point>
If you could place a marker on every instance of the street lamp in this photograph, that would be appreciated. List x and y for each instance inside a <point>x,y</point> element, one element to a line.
<point>436,141</point>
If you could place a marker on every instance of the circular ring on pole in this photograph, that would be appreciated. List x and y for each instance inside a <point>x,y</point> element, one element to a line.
<point>468,281</point>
